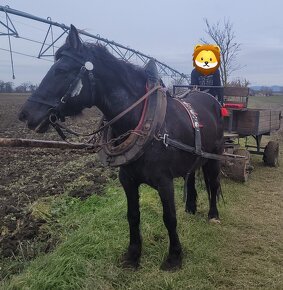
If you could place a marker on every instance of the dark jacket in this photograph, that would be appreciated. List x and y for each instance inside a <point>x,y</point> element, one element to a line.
<point>199,79</point>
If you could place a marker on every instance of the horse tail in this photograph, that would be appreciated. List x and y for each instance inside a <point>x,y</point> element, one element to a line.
<point>185,190</point>
<point>219,191</point>
<point>207,185</point>
<point>206,181</point>
<point>220,194</point>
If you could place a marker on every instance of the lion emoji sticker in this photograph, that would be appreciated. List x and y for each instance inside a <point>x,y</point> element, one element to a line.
<point>206,58</point>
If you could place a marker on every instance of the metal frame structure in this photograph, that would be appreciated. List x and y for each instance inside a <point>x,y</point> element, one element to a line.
<point>47,49</point>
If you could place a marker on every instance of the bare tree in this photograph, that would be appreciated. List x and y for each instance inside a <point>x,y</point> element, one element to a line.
<point>239,82</point>
<point>224,37</point>
<point>9,87</point>
<point>266,91</point>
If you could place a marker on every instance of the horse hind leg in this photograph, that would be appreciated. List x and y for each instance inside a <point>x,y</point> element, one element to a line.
<point>174,258</point>
<point>211,172</point>
<point>190,193</point>
<point>131,258</point>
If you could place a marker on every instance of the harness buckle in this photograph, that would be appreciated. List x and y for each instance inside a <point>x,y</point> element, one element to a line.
<point>164,138</point>
<point>63,99</point>
<point>53,118</point>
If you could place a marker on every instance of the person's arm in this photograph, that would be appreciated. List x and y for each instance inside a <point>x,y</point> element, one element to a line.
<point>194,77</point>
<point>217,80</point>
<point>219,91</point>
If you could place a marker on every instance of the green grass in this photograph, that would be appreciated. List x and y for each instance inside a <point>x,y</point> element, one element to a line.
<point>244,252</point>
<point>272,102</point>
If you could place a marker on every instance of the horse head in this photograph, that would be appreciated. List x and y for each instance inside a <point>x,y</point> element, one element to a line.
<point>66,89</point>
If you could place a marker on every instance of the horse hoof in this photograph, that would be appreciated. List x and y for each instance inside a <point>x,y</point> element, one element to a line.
<point>191,211</point>
<point>128,262</point>
<point>172,264</point>
<point>215,221</point>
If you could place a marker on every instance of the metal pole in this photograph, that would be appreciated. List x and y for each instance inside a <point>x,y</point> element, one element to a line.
<point>174,72</point>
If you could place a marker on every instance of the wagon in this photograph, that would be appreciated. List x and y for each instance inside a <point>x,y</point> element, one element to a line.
<point>246,123</point>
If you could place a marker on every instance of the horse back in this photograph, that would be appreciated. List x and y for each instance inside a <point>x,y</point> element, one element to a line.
<point>208,111</point>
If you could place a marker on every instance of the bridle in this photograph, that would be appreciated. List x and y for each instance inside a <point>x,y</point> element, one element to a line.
<point>73,91</point>
<point>74,88</point>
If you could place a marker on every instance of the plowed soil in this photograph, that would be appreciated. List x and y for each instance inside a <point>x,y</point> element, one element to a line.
<point>29,174</point>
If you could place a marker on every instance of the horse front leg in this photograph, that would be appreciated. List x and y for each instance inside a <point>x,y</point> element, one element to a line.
<point>132,256</point>
<point>174,258</point>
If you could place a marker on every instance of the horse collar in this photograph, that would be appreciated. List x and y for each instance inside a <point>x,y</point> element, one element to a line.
<point>136,143</point>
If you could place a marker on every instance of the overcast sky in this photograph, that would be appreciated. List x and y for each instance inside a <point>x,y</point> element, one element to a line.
<point>165,29</point>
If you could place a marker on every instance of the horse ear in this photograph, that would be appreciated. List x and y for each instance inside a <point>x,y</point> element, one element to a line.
<point>73,38</point>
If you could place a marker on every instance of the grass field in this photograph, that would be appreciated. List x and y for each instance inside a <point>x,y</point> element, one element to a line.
<point>244,252</point>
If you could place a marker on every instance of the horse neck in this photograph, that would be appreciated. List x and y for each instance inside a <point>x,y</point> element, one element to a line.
<point>116,98</point>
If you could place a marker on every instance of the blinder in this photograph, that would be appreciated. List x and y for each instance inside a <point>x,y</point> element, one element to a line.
<point>73,90</point>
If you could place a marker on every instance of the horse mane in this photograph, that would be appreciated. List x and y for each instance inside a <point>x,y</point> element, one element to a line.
<point>107,64</point>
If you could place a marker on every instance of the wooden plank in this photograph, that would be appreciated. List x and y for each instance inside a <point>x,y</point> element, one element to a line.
<point>14,142</point>
<point>235,91</point>
<point>256,121</point>
<point>254,129</point>
<point>232,135</point>
<point>249,122</point>
<point>274,119</point>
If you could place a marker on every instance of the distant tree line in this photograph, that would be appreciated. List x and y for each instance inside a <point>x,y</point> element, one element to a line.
<point>9,87</point>
<point>238,82</point>
<point>265,91</point>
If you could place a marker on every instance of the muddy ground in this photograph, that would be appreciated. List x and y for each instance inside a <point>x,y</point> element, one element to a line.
<point>31,174</point>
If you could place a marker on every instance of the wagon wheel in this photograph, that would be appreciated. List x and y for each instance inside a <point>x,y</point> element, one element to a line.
<point>238,169</point>
<point>271,154</point>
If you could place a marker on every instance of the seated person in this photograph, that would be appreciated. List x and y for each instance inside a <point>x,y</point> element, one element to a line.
<point>206,60</point>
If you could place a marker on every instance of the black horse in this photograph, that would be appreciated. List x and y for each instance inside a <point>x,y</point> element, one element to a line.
<point>113,85</point>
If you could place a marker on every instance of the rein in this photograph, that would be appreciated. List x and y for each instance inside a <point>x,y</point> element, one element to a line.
<point>59,126</point>
<point>74,90</point>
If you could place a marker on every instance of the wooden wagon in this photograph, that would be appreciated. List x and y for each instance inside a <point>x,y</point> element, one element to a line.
<point>247,123</point>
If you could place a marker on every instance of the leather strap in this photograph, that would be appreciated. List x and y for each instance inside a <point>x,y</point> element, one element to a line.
<point>179,145</point>
<point>195,123</point>
<point>122,114</point>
